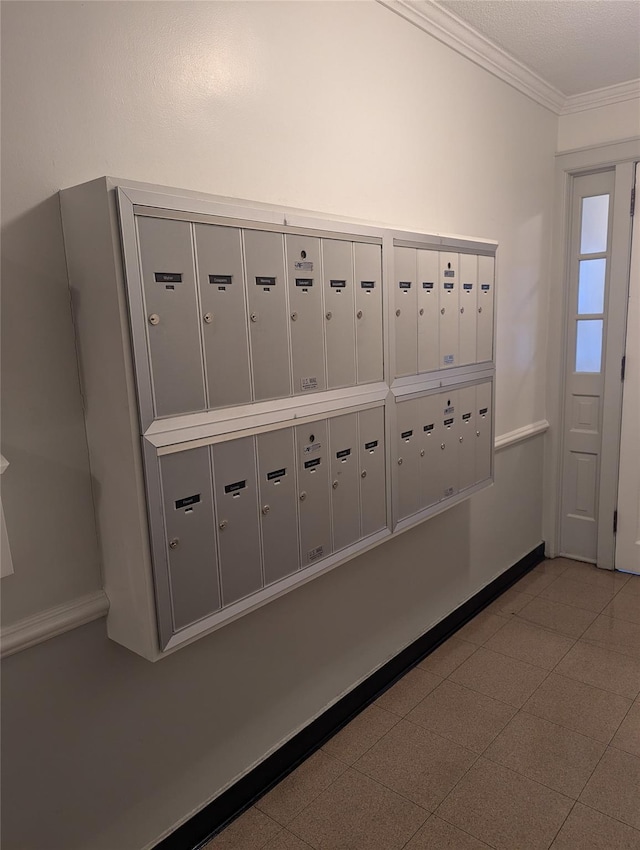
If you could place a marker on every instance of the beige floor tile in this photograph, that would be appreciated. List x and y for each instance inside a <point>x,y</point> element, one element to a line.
<point>586,829</point>
<point>481,628</point>
<point>416,763</point>
<point>594,575</point>
<point>565,619</point>
<point>496,675</point>
<point>356,813</point>
<point>505,809</point>
<point>286,840</point>
<point>625,605</point>
<point>531,644</point>
<point>614,788</point>
<point>363,732</point>
<point>251,831</point>
<point>550,754</point>
<point>602,668</point>
<point>510,602</point>
<point>557,566</point>
<point>300,787</point>
<point>448,656</point>
<point>535,581</point>
<point>582,594</point>
<point>619,635</point>
<point>437,834</point>
<point>627,737</point>
<point>575,705</point>
<point>461,715</point>
<point>407,693</point>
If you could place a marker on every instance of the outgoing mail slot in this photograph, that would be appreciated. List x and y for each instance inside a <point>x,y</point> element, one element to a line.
<point>339,323</point>
<point>467,439</point>
<point>305,312</point>
<point>234,476</point>
<point>428,311</point>
<point>313,492</point>
<point>266,288</point>
<point>486,272</point>
<point>407,458</point>
<point>484,431</point>
<point>190,535</point>
<point>405,309</point>
<point>449,306</point>
<point>173,325</point>
<point>468,300</point>
<point>223,319</point>
<point>345,508</point>
<point>368,297</point>
<point>278,511</point>
<point>373,493</point>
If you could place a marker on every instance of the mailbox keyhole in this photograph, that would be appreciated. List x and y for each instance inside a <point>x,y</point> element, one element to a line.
<point>448,265</point>
<point>303,254</point>
<point>312,438</point>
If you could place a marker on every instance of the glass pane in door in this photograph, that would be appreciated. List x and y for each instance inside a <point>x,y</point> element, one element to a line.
<point>595,221</point>
<point>589,345</point>
<point>591,286</point>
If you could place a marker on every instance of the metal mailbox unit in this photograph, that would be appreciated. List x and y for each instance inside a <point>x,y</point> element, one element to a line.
<point>246,431</point>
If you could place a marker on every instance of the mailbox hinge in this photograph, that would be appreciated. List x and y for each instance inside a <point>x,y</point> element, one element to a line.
<point>633,202</point>
<point>615,521</point>
<point>623,366</point>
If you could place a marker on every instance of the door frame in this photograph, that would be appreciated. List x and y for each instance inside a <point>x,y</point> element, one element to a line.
<point>620,156</point>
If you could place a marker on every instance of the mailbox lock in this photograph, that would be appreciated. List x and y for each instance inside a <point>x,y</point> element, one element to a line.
<point>174,542</point>
<point>222,525</point>
<point>479,309</point>
<point>399,461</point>
<point>335,485</point>
<point>442,446</point>
<point>294,316</point>
<point>442,311</point>
<point>462,309</point>
<point>329,315</point>
<point>422,311</point>
<point>208,317</point>
<point>254,317</point>
<point>397,312</point>
<point>421,452</point>
<point>154,319</point>
<point>265,510</point>
<point>363,474</point>
<point>461,438</point>
<point>303,496</point>
<point>359,314</point>
<point>477,433</point>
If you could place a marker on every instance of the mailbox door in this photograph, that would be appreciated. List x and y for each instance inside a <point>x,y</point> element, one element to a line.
<point>431,437</point>
<point>449,330</point>
<point>368,297</point>
<point>313,492</point>
<point>483,431</point>
<point>171,311</point>
<point>223,314</point>
<point>449,473</point>
<point>486,286</point>
<point>268,323</point>
<point>306,313</point>
<point>278,504</point>
<point>407,457</point>
<point>234,476</point>
<point>339,316</point>
<point>465,422</point>
<point>468,310</point>
<point>405,309</point>
<point>373,492</point>
<point>428,311</point>
<point>345,492</point>
<point>191,539</point>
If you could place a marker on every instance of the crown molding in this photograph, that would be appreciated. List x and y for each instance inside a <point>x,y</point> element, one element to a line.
<point>459,36</point>
<point>602,97</point>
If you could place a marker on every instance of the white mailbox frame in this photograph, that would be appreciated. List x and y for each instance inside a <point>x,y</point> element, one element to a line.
<point>125,440</point>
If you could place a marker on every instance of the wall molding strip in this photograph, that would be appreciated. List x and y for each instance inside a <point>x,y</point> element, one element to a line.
<point>602,97</point>
<point>52,622</point>
<point>459,36</point>
<point>198,829</point>
<point>520,434</point>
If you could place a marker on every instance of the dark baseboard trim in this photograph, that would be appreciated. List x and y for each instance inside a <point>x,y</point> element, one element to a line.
<point>212,818</point>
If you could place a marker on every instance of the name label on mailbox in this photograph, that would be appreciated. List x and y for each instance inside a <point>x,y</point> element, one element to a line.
<point>168,277</point>
<point>466,416</point>
<point>449,273</point>
<point>448,422</point>
<point>367,284</point>
<point>484,411</point>
<point>309,464</point>
<point>449,285</point>
<point>304,281</point>
<point>277,473</point>
<point>428,428</point>
<point>426,285</point>
<point>406,434</point>
<point>485,287</point>
<point>404,284</point>
<point>188,500</point>
<point>371,445</point>
<point>235,487</point>
<point>338,284</point>
<point>343,453</point>
<point>265,281</point>
<point>467,287</point>
<point>221,279</point>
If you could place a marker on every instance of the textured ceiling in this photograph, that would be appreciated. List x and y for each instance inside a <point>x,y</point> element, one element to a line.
<point>575,45</point>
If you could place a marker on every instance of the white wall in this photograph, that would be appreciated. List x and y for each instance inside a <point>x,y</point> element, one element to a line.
<point>339,107</point>
<point>598,126</point>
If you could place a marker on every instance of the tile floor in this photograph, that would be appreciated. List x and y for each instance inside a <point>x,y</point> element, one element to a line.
<point>521,732</point>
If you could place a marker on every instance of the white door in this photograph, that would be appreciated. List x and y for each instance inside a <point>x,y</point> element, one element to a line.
<point>627,555</point>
